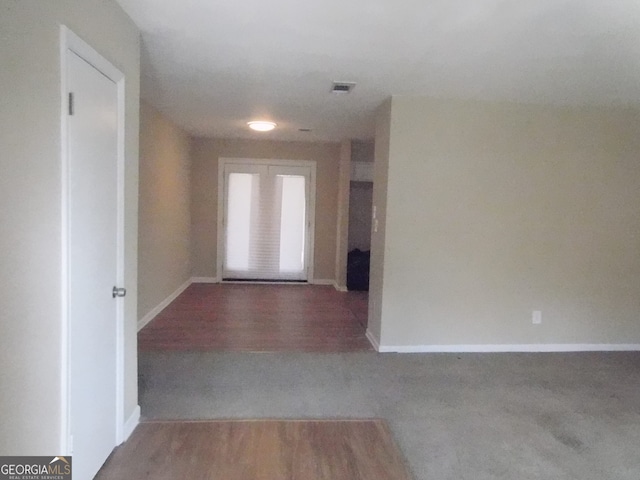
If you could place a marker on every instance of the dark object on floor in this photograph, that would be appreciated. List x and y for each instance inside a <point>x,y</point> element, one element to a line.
<point>358,270</point>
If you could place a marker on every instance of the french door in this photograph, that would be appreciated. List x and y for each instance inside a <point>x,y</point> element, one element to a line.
<point>267,220</point>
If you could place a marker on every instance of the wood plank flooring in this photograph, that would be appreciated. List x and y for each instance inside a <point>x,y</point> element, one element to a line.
<point>258,450</point>
<point>260,318</point>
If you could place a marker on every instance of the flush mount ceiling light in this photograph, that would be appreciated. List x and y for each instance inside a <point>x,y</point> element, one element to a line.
<point>261,126</point>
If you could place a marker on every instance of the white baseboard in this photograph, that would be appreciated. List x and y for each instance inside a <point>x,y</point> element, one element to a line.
<point>328,281</point>
<point>533,347</point>
<point>373,341</point>
<point>131,423</point>
<point>205,280</point>
<point>155,311</point>
<point>340,288</point>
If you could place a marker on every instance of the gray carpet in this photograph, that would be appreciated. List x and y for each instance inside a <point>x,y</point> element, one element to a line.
<point>465,416</point>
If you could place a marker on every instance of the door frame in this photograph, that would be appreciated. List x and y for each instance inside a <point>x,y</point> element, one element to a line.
<point>69,41</point>
<point>311,164</point>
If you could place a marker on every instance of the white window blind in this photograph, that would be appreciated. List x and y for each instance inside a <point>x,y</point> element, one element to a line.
<point>266,223</point>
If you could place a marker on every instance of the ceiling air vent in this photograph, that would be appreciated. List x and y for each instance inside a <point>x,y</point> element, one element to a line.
<point>343,87</point>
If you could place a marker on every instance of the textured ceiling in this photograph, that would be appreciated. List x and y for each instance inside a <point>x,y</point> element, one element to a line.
<point>213,65</point>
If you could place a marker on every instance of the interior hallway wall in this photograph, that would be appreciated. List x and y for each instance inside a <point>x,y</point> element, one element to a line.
<point>204,202</point>
<point>361,199</point>
<point>498,209</point>
<point>164,225</point>
<point>342,223</point>
<point>360,207</point>
<point>31,332</point>
<point>379,220</point>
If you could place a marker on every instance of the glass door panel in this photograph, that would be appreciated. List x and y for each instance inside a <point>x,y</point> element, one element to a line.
<point>266,224</point>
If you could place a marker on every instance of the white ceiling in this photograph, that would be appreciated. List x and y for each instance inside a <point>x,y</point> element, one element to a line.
<point>213,65</point>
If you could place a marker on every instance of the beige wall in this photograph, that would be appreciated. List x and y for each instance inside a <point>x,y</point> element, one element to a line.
<point>205,154</point>
<point>30,212</point>
<point>342,223</point>
<point>362,150</point>
<point>360,205</point>
<point>164,222</point>
<point>360,199</point>
<point>378,230</point>
<point>495,210</point>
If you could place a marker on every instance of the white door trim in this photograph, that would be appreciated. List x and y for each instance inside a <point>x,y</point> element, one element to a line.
<point>311,164</point>
<point>69,41</point>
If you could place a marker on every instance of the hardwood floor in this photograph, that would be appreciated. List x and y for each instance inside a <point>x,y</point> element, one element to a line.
<point>258,450</point>
<point>260,318</point>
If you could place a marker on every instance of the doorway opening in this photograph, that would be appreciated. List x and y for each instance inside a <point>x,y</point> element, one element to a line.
<point>360,215</point>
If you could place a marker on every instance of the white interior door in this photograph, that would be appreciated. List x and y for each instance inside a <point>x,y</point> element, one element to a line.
<point>92,145</point>
<point>267,222</point>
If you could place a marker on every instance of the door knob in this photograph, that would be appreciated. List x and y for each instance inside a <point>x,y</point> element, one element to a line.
<point>118,292</point>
